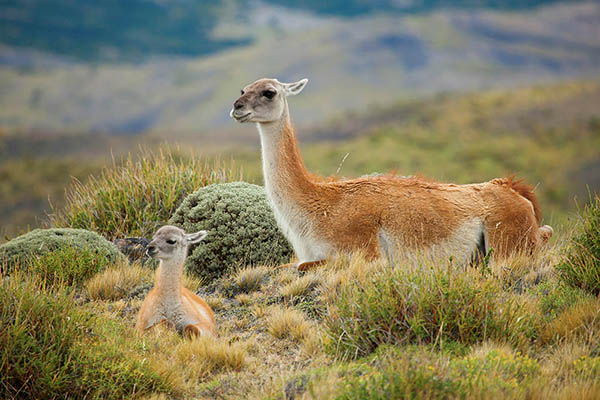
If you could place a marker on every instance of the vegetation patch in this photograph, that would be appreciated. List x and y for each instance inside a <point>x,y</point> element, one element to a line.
<point>140,195</point>
<point>241,225</point>
<point>205,355</point>
<point>65,255</point>
<point>50,348</point>
<point>424,304</point>
<point>581,264</point>
<point>117,282</point>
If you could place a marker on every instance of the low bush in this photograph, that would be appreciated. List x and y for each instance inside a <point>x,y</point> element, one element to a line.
<point>424,304</point>
<point>580,266</point>
<point>49,348</point>
<point>241,229</point>
<point>69,256</point>
<point>136,197</point>
<point>415,372</point>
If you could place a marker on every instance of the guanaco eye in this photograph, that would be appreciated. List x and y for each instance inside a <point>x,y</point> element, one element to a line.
<point>171,241</point>
<point>242,92</point>
<point>269,94</point>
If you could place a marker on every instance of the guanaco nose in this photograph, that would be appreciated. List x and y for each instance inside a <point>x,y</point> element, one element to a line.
<point>151,250</point>
<point>238,104</point>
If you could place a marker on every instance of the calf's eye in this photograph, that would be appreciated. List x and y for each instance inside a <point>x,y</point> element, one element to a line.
<point>171,241</point>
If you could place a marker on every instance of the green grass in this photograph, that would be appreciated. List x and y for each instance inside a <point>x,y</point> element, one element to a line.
<point>525,328</point>
<point>134,198</point>
<point>581,264</point>
<point>50,348</point>
<point>424,303</point>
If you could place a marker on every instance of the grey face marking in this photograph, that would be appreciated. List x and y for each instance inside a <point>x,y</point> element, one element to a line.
<point>167,241</point>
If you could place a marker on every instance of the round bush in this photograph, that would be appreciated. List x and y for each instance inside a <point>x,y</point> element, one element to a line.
<point>71,254</point>
<point>241,225</point>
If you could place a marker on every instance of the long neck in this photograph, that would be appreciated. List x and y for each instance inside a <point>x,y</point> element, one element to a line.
<point>168,278</point>
<point>283,168</point>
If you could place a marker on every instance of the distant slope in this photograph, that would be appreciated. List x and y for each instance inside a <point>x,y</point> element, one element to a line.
<point>133,30</point>
<point>352,64</point>
<point>358,7</point>
<point>100,30</point>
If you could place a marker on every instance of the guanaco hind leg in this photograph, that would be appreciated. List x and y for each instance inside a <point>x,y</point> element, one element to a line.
<point>306,265</point>
<point>196,330</point>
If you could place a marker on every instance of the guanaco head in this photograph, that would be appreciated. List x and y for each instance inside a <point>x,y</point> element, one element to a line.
<point>264,100</point>
<point>172,242</point>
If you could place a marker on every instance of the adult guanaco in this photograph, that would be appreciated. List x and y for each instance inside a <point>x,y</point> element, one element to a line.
<point>385,213</point>
<point>169,301</point>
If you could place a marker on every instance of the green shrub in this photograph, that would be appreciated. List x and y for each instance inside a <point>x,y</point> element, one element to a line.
<point>137,197</point>
<point>50,348</point>
<point>555,297</point>
<point>241,225</point>
<point>424,305</point>
<point>580,266</point>
<point>417,372</point>
<point>60,254</point>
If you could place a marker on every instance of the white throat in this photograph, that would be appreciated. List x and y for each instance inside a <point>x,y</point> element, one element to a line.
<point>168,278</point>
<point>291,218</point>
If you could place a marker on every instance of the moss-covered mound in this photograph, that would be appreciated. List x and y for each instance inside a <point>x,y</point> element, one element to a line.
<point>64,253</point>
<point>241,225</point>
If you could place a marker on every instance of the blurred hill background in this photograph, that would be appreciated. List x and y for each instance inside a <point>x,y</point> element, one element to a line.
<point>456,90</point>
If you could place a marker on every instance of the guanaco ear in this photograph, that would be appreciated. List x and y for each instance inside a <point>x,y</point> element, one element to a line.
<point>292,89</point>
<point>195,237</point>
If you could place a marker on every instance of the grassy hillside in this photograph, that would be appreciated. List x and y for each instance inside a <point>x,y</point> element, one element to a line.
<point>352,329</point>
<point>372,59</point>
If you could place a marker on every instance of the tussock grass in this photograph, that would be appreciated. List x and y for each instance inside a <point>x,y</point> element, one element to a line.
<point>424,303</point>
<point>116,282</point>
<point>136,196</point>
<point>301,286</point>
<point>50,348</point>
<point>287,323</point>
<point>579,321</point>
<point>581,264</point>
<point>205,355</point>
<point>250,278</point>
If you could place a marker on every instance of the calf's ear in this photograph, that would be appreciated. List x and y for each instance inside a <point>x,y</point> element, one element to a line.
<point>195,237</point>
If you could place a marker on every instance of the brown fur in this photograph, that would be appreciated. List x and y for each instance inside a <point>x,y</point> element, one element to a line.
<point>168,301</point>
<point>192,304</point>
<point>417,212</point>
<point>375,213</point>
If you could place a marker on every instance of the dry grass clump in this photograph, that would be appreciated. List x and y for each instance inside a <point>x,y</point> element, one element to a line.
<point>191,282</point>
<point>580,321</point>
<point>215,302</point>
<point>301,286</point>
<point>116,282</point>
<point>206,355</point>
<point>250,278</point>
<point>287,323</point>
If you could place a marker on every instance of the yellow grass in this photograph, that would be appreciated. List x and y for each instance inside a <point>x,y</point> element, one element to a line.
<point>115,282</point>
